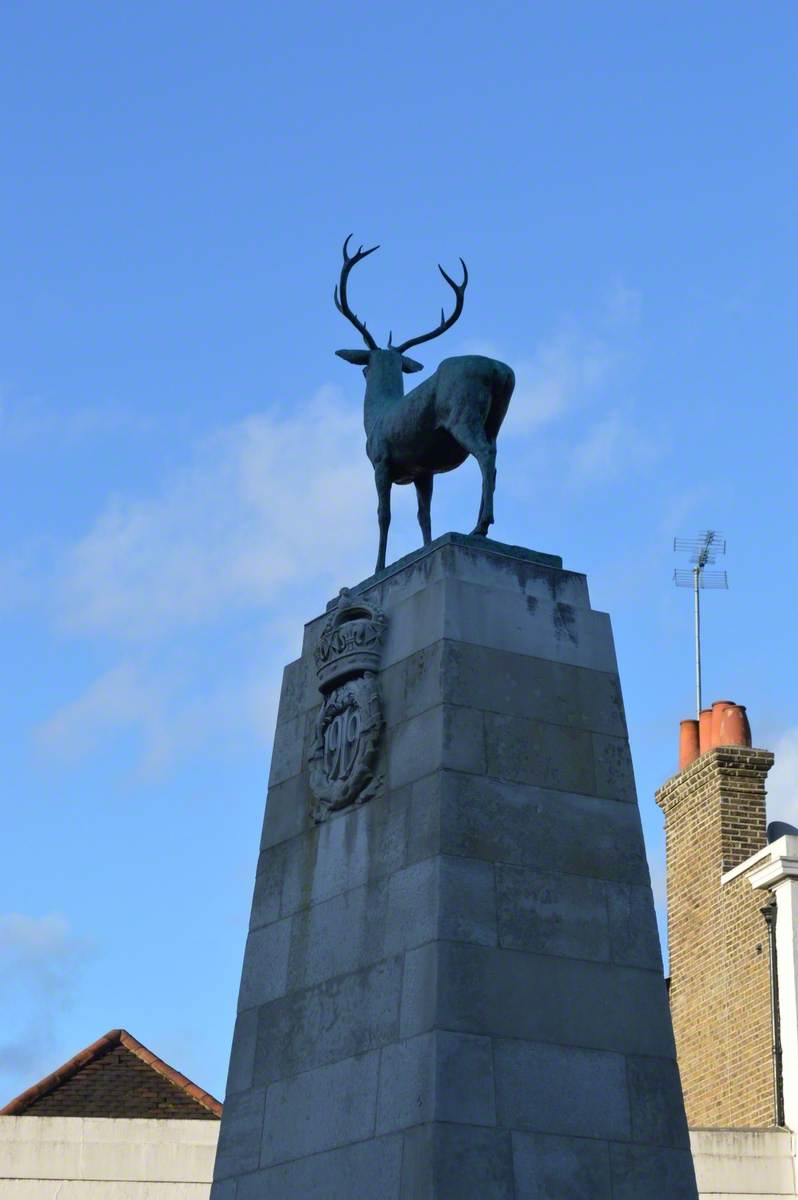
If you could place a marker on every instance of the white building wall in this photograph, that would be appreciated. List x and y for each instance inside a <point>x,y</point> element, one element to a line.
<point>744,1164</point>
<point>97,1158</point>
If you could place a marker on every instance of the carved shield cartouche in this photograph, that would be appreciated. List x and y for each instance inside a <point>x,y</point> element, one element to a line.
<point>343,759</point>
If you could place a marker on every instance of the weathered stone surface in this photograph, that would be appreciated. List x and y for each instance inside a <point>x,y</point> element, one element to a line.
<point>537,827</point>
<point>455,990</point>
<point>546,912</point>
<point>467,1162</point>
<point>443,1076</point>
<point>239,1142</point>
<point>368,1170</point>
<point>561,1089</point>
<point>339,1018</point>
<point>265,965</point>
<point>645,1172</point>
<point>634,938</point>
<point>547,998</point>
<point>242,1054</point>
<point>654,1095</point>
<point>318,949</point>
<point>561,1168</point>
<point>320,1110</point>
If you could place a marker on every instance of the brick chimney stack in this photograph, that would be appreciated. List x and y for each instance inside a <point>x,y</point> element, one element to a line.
<point>720,989</point>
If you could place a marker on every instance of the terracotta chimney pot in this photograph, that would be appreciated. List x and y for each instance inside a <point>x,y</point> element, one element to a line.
<point>734,727</point>
<point>689,748</point>
<point>705,729</point>
<point>717,715</point>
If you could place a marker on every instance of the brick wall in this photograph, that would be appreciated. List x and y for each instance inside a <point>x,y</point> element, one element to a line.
<point>720,975</point>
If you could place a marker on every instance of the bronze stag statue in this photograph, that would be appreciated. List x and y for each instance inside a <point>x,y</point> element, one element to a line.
<point>411,438</point>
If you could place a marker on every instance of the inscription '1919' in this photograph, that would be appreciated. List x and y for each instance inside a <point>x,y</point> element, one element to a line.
<point>341,739</point>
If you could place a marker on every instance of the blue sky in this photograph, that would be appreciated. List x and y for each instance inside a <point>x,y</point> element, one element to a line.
<point>182,457</point>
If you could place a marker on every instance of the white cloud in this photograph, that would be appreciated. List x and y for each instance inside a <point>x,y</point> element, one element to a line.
<point>611,445</point>
<point>782,785</point>
<point>122,697</point>
<point>206,583</point>
<point>565,372</point>
<point>28,419</point>
<point>40,964</point>
<point>268,502</point>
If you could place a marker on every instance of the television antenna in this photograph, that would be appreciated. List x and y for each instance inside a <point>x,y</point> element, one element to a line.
<point>703,551</point>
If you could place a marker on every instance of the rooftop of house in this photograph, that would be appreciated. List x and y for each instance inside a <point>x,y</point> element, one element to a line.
<point>116,1076</point>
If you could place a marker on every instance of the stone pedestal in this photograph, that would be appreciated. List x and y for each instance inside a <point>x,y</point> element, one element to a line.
<point>454,989</point>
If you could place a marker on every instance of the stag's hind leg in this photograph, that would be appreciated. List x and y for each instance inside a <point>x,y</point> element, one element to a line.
<point>382,478</point>
<point>483,448</point>
<point>424,494</point>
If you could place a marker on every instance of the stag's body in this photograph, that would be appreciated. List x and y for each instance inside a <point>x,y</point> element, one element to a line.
<point>411,438</point>
<point>432,428</point>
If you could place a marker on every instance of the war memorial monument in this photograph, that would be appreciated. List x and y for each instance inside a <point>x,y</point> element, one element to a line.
<point>452,985</point>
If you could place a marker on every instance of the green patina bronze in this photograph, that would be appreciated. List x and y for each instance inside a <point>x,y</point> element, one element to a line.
<point>411,438</point>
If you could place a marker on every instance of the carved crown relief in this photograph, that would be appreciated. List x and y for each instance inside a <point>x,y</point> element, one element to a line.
<point>345,750</point>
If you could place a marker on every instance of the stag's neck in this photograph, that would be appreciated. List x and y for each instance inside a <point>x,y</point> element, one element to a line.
<point>384,386</point>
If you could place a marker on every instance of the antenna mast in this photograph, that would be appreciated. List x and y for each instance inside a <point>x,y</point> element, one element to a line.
<point>702,550</point>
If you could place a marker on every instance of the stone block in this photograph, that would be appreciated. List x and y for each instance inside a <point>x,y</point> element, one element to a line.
<point>239,1141</point>
<point>464,1084</point>
<point>407,1084</point>
<point>521,750</point>
<point>289,740</point>
<point>319,950</point>
<point>419,990</point>
<point>451,898</point>
<point>225,1189</point>
<point>299,691</point>
<point>242,1053</point>
<point>288,811</point>
<point>265,965</point>
<point>655,1093</point>
<point>345,852</point>
<point>320,1109</point>
<point>446,736</point>
<point>438,1076</point>
<point>547,912</point>
<point>368,1170</point>
<point>615,777</point>
<point>544,998</point>
<point>468,1162</point>
<point>561,1168</point>
<point>561,1090</point>
<point>643,1172</point>
<point>634,938</point>
<point>536,827</point>
<point>521,624</point>
<point>517,685</point>
<point>339,1018</point>
<point>267,895</point>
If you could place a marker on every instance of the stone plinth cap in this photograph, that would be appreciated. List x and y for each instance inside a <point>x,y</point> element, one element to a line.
<point>484,545</point>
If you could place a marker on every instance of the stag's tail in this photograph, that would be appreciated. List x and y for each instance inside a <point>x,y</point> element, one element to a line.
<point>503,384</point>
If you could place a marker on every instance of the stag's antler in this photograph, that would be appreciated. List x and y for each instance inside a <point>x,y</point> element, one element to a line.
<point>446,323</point>
<point>351,260</point>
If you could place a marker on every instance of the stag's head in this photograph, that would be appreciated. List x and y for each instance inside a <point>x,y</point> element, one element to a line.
<point>391,357</point>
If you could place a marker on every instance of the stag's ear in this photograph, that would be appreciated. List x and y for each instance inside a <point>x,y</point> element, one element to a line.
<point>409,365</point>
<point>360,358</point>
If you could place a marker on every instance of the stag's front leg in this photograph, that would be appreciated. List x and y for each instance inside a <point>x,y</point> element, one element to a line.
<point>424,494</point>
<point>382,479</point>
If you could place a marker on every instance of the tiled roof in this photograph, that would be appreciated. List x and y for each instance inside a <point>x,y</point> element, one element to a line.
<point>115,1077</point>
